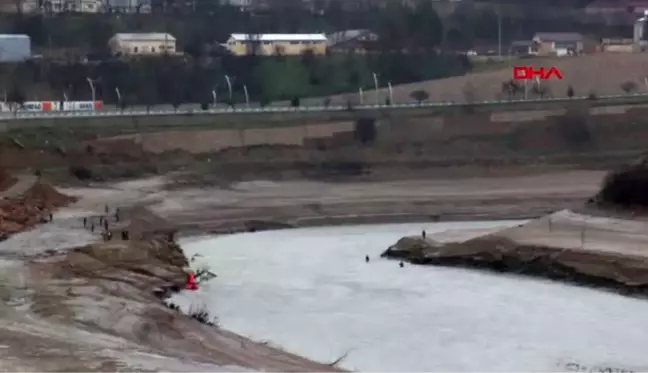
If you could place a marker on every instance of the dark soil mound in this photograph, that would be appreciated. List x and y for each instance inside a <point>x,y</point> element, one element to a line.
<point>626,187</point>
<point>32,208</point>
<point>47,196</point>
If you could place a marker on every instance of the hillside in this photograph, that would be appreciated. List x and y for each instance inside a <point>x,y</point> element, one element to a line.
<point>602,74</point>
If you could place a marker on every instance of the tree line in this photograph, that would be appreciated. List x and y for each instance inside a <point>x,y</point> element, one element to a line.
<point>149,81</point>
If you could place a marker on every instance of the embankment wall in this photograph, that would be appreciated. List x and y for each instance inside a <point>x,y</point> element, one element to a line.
<point>579,135</point>
<point>577,130</point>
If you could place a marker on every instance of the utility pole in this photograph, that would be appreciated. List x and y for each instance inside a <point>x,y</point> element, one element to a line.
<point>92,89</point>
<point>499,30</point>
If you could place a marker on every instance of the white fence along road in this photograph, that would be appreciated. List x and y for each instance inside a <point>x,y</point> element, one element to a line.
<point>194,109</point>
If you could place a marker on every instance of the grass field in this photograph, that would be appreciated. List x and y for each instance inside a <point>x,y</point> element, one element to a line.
<point>601,74</point>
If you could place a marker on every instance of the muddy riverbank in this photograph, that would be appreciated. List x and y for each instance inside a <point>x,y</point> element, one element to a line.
<point>94,307</point>
<point>589,247</point>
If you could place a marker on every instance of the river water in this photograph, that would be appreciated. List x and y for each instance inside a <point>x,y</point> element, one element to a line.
<point>310,292</point>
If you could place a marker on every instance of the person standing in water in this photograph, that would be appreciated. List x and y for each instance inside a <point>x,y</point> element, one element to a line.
<point>191,283</point>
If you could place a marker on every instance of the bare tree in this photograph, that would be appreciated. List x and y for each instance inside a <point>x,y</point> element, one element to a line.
<point>469,93</point>
<point>629,87</point>
<point>511,88</point>
<point>419,96</point>
<point>570,91</point>
<point>542,90</point>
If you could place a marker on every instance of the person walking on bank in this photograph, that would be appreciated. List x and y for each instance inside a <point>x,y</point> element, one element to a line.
<point>366,258</point>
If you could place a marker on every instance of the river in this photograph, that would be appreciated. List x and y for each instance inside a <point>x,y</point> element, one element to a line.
<point>310,292</point>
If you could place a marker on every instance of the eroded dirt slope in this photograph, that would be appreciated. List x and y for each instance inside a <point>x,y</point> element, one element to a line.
<point>93,309</point>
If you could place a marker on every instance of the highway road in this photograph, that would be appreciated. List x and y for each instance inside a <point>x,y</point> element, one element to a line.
<point>194,109</point>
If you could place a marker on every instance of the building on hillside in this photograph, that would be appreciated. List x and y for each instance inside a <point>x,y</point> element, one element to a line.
<point>25,7</point>
<point>243,5</point>
<point>353,41</point>
<point>523,48</point>
<point>603,7</point>
<point>559,43</point>
<point>614,13</point>
<point>72,6</point>
<point>14,47</point>
<point>276,44</point>
<point>618,45</point>
<point>52,6</point>
<point>151,44</point>
<point>128,6</point>
<point>639,31</point>
<point>75,6</point>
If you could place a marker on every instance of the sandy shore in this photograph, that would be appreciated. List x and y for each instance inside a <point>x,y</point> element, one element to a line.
<point>305,203</point>
<point>588,245</point>
<point>57,316</point>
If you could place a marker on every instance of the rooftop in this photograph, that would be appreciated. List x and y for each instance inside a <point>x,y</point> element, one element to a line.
<point>644,18</point>
<point>146,36</point>
<point>14,36</point>
<point>558,36</point>
<point>618,4</point>
<point>346,35</point>
<point>279,37</point>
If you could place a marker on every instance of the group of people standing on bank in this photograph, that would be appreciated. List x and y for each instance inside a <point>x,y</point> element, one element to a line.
<point>103,222</point>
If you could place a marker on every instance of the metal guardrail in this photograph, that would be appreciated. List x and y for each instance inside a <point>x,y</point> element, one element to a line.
<point>214,111</point>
